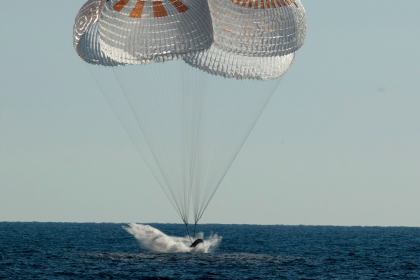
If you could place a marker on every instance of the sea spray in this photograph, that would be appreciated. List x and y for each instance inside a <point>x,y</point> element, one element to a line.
<point>154,240</point>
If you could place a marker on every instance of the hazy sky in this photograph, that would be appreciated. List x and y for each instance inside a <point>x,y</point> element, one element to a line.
<point>338,144</point>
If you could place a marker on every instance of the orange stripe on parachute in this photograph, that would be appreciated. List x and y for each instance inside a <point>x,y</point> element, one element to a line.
<point>261,4</point>
<point>274,4</point>
<point>138,10</point>
<point>120,5</point>
<point>179,6</point>
<point>159,10</point>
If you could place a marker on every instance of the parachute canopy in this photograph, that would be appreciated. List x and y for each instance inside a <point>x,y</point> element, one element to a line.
<point>258,27</point>
<point>147,31</point>
<point>189,116</point>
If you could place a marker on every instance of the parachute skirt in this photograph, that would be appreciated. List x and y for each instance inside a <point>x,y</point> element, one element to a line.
<point>218,62</point>
<point>90,50</point>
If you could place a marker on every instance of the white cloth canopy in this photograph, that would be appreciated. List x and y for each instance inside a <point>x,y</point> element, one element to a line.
<point>131,30</point>
<point>90,51</point>
<point>258,27</point>
<point>229,65</point>
<point>86,17</point>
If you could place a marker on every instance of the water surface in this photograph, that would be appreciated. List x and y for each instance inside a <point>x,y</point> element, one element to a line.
<point>107,251</point>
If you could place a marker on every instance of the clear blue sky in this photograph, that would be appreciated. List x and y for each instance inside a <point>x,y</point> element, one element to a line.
<point>339,143</point>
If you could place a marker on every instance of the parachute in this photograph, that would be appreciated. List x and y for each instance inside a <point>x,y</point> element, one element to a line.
<point>188,79</point>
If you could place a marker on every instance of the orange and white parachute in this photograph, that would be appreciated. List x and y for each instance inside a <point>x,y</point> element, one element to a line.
<point>131,31</point>
<point>187,124</point>
<point>222,37</point>
<point>258,27</point>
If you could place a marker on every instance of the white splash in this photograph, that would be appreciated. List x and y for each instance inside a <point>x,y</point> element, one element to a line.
<point>154,240</point>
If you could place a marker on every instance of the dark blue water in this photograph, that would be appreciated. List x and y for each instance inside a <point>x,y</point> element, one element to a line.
<point>106,251</point>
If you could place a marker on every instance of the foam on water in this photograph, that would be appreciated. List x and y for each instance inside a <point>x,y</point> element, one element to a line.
<point>154,240</point>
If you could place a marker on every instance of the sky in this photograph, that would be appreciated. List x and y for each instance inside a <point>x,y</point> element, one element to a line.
<point>338,144</point>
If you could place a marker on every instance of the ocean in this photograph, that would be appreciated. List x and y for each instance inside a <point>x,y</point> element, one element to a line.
<point>161,251</point>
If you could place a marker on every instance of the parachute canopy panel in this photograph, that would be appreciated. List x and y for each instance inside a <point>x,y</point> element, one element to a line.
<point>258,27</point>
<point>89,49</point>
<point>148,31</point>
<point>86,17</point>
